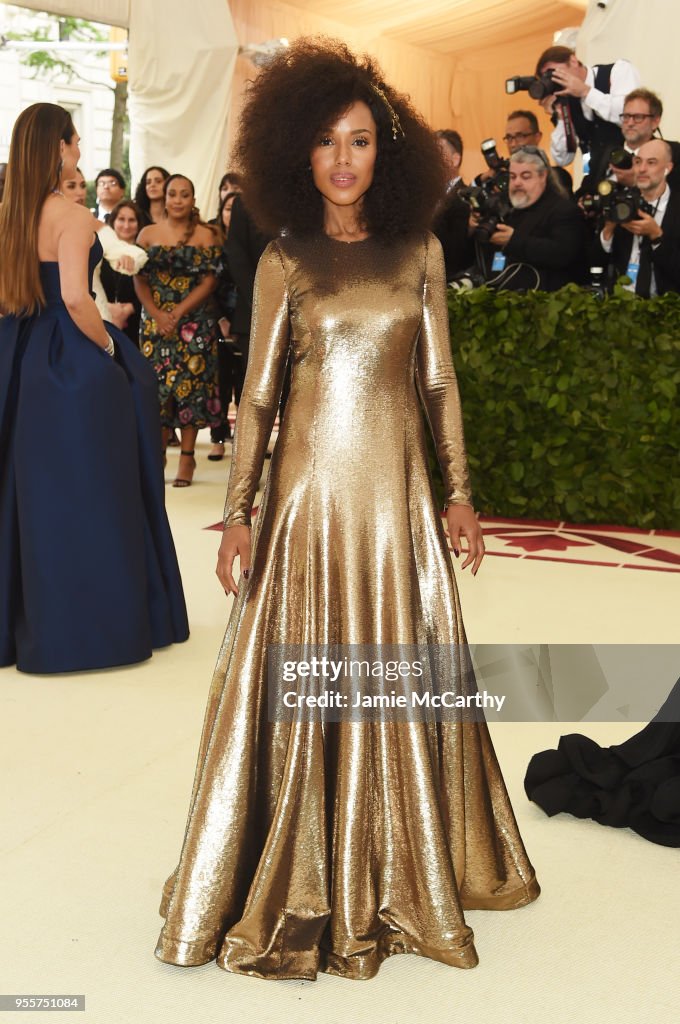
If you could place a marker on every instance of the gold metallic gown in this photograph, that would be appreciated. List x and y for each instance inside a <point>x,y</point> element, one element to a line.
<point>330,846</point>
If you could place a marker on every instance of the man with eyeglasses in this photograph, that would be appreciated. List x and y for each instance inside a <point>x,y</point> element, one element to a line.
<point>640,121</point>
<point>541,243</point>
<point>522,129</point>
<point>587,108</point>
<point>110,187</point>
<point>647,249</point>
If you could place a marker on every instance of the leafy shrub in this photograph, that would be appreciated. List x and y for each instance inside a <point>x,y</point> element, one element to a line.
<point>571,404</point>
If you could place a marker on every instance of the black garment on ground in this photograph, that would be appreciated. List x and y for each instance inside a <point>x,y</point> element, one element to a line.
<point>120,288</point>
<point>634,785</point>
<point>549,238</point>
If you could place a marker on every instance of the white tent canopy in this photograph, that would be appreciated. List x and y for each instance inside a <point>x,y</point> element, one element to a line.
<point>181,63</point>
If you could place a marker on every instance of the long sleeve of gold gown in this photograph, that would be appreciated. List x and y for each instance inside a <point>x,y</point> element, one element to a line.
<point>437,383</point>
<point>330,845</point>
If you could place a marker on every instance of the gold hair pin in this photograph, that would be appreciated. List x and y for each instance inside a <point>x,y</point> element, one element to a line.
<point>396,123</point>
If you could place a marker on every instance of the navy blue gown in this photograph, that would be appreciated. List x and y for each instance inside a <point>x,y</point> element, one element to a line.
<point>88,572</point>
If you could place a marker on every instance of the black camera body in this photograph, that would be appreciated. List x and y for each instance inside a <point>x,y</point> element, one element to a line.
<point>490,202</point>
<point>538,87</point>
<point>618,204</point>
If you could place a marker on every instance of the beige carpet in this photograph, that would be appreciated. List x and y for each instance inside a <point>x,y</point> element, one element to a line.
<point>97,771</point>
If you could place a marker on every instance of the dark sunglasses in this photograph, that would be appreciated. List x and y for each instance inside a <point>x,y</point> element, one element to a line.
<point>533,151</point>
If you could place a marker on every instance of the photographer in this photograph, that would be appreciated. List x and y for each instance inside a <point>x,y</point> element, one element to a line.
<point>647,248</point>
<point>521,129</point>
<point>586,109</point>
<point>640,120</point>
<point>540,244</point>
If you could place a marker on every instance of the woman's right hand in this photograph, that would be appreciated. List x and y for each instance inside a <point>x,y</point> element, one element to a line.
<point>120,313</point>
<point>235,541</point>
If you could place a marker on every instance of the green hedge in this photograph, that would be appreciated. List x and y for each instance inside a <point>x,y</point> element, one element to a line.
<point>571,404</point>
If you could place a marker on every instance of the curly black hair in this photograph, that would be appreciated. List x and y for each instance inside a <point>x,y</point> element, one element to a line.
<point>305,89</point>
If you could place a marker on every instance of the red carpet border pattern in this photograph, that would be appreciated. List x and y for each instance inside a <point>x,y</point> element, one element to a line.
<point>614,547</point>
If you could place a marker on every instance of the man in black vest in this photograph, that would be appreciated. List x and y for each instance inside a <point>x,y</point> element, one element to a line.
<point>541,244</point>
<point>586,111</point>
<point>647,249</point>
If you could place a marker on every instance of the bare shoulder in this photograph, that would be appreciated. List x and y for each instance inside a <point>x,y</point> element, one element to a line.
<point>59,211</point>
<point>61,218</point>
<point>148,236</point>
<point>205,235</point>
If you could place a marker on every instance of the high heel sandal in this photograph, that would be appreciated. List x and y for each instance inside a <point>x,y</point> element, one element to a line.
<point>182,481</point>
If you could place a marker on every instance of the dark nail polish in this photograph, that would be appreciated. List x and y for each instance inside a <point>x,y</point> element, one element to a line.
<point>246,573</point>
<point>456,552</point>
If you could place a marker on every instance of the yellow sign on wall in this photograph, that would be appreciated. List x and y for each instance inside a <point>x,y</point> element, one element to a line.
<point>118,58</point>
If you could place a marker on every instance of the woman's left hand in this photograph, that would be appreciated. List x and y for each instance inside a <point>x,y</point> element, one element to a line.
<point>462,521</point>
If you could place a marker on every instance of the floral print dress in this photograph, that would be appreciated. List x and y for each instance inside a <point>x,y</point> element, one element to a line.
<point>185,361</point>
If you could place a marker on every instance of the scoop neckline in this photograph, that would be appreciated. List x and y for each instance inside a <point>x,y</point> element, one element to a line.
<point>342,241</point>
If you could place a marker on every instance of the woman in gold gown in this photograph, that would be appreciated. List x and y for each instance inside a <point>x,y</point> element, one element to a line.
<point>330,845</point>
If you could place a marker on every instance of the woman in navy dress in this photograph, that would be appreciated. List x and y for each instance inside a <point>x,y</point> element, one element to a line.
<point>88,572</point>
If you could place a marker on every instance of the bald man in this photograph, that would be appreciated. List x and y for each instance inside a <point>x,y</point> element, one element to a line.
<point>647,249</point>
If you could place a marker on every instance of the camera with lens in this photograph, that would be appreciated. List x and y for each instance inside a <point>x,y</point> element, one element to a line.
<point>490,202</point>
<point>615,203</point>
<point>538,86</point>
<point>621,159</point>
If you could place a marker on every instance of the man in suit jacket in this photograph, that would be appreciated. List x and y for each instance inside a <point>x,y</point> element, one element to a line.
<point>451,219</point>
<point>541,244</point>
<point>647,249</point>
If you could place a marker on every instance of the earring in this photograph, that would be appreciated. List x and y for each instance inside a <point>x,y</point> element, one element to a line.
<point>60,168</point>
